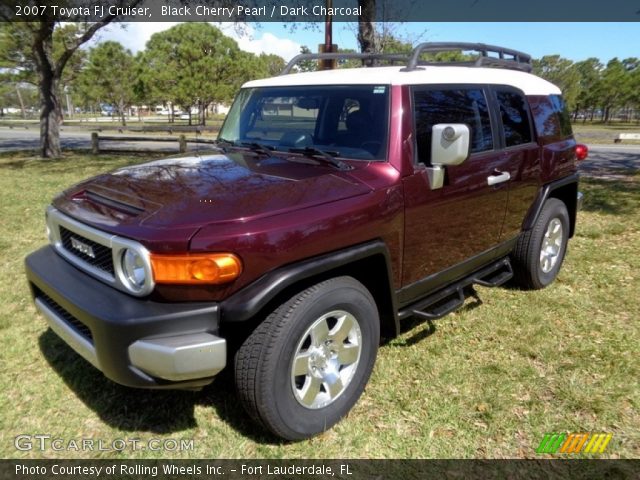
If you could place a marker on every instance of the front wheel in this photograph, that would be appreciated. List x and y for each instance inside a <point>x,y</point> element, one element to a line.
<point>307,364</point>
<point>539,253</point>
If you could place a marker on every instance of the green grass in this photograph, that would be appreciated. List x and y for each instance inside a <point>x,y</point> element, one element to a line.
<point>483,382</point>
<point>601,133</point>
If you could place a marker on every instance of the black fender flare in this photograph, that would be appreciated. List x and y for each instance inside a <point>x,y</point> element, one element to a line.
<point>250,300</point>
<point>547,191</point>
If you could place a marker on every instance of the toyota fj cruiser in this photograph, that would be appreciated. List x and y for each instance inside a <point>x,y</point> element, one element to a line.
<point>335,205</point>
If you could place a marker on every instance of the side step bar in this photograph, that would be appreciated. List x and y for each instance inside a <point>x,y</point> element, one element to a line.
<point>450,298</point>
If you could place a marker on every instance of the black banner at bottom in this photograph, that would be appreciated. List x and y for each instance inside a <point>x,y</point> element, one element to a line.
<point>319,469</point>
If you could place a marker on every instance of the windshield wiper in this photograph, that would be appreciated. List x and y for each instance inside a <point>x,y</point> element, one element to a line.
<point>259,147</point>
<point>224,144</point>
<point>323,156</point>
<point>254,146</point>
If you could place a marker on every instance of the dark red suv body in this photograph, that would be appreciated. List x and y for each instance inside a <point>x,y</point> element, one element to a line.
<point>331,198</point>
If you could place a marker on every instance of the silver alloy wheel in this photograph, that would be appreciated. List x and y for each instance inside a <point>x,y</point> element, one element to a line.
<point>551,245</point>
<point>326,359</point>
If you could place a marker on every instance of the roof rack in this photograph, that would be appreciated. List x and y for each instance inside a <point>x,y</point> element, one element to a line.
<point>390,57</point>
<point>507,58</point>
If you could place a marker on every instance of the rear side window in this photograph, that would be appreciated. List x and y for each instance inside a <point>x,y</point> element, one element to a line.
<point>560,108</point>
<point>551,117</point>
<point>515,118</point>
<point>468,106</point>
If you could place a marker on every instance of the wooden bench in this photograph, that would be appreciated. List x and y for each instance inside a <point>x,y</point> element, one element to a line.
<point>626,136</point>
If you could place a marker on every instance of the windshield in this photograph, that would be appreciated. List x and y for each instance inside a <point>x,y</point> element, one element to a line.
<point>344,121</point>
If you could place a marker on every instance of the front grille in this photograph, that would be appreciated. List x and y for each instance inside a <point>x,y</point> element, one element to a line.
<point>72,321</point>
<point>102,255</point>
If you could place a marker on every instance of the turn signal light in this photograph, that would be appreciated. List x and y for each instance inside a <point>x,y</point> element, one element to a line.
<point>582,152</point>
<point>212,268</point>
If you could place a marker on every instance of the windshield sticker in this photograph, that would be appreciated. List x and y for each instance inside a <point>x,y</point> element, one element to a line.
<point>380,89</point>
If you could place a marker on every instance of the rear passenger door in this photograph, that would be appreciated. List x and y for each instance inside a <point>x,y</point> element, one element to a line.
<point>462,220</point>
<point>520,156</point>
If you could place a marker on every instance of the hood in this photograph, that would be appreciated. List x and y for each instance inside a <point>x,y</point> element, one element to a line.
<point>186,193</point>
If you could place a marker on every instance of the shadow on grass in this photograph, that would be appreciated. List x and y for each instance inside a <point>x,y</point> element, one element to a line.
<point>416,321</point>
<point>70,162</point>
<point>613,197</point>
<point>140,410</point>
<point>612,165</point>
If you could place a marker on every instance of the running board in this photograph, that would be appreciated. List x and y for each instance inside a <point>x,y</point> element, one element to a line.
<point>494,275</point>
<point>451,298</point>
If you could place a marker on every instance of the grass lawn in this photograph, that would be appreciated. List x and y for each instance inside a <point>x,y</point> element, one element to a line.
<point>483,382</point>
<point>600,133</point>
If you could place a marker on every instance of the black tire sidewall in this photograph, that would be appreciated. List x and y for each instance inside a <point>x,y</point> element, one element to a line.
<point>553,209</point>
<point>297,420</point>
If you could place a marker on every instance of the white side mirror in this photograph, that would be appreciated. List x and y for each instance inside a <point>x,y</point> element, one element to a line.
<point>449,146</point>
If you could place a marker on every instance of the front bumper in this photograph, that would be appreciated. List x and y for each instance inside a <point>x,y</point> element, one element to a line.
<point>133,341</point>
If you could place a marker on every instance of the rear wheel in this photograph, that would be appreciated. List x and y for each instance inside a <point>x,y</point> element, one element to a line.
<point>307,364</point>
<point>539,253</point>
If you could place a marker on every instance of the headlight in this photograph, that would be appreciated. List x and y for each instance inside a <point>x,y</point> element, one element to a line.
<point>133,269</point>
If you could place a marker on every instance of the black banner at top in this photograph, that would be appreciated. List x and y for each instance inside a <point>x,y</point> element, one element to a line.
<point>317,10</point>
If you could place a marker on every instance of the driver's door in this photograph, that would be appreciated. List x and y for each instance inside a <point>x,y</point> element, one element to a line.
<point>445,227</point>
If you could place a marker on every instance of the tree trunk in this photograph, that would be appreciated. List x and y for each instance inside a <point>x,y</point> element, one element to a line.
<point>50,113</point>
<point>122,112</point>
<point>204,106</point>
<point>50,118</point>
<point>22,109</point>
<point>366,28</point>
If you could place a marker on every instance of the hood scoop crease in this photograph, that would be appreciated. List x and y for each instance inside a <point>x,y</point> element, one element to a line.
<point>112,203</point>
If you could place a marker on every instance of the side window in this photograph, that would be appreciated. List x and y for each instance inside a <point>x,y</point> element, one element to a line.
<point>515,120</point>
<point>563,115</point>
<point>546,118</point>
<point>551,118</point>
<point>468,106</point>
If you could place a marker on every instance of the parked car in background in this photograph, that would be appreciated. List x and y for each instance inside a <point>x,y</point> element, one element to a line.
<point>194,114</point>
<point>107,110</point>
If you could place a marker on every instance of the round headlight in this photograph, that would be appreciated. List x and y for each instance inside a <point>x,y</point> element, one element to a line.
<point>133,268</point>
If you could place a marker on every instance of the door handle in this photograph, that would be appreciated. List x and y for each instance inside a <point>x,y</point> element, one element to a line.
<point>495,179</point>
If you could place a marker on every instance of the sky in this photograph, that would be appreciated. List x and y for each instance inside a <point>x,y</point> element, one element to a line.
<point>575,41</point>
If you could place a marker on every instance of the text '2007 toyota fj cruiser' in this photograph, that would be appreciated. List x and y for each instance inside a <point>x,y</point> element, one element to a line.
<point>336,204</point>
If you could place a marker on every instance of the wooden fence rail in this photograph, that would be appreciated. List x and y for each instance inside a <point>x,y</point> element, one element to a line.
<point>182,140</point>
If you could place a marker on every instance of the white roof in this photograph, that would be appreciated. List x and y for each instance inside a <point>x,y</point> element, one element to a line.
<point>528,83</point>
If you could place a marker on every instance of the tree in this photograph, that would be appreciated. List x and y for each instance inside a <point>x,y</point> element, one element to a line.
<point>613,91</point>
<point>269,65</point>
<point>366,26</point>
<point>109,77</point>
<point>561,72</point>
<point>195,64</point>
<point>307,65</point>
<point>35,54</point>
<point>630,85</point>
<point>589,72</point>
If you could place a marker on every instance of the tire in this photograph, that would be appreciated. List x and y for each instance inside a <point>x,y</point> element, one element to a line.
<point>330,377</point>
<point>539,252</point>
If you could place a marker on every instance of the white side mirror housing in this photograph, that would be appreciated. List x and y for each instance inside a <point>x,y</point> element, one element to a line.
<point>450,144</point>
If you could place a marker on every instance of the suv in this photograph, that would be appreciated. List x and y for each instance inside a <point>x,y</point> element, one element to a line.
<point>335,205</point>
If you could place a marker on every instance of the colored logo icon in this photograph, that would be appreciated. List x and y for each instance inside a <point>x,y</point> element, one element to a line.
<point>574,443</point>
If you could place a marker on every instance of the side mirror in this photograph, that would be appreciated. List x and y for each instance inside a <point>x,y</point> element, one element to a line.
<point>449,146</point>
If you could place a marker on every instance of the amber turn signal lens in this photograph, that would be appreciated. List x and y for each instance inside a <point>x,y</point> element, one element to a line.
<point>214,268</point>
